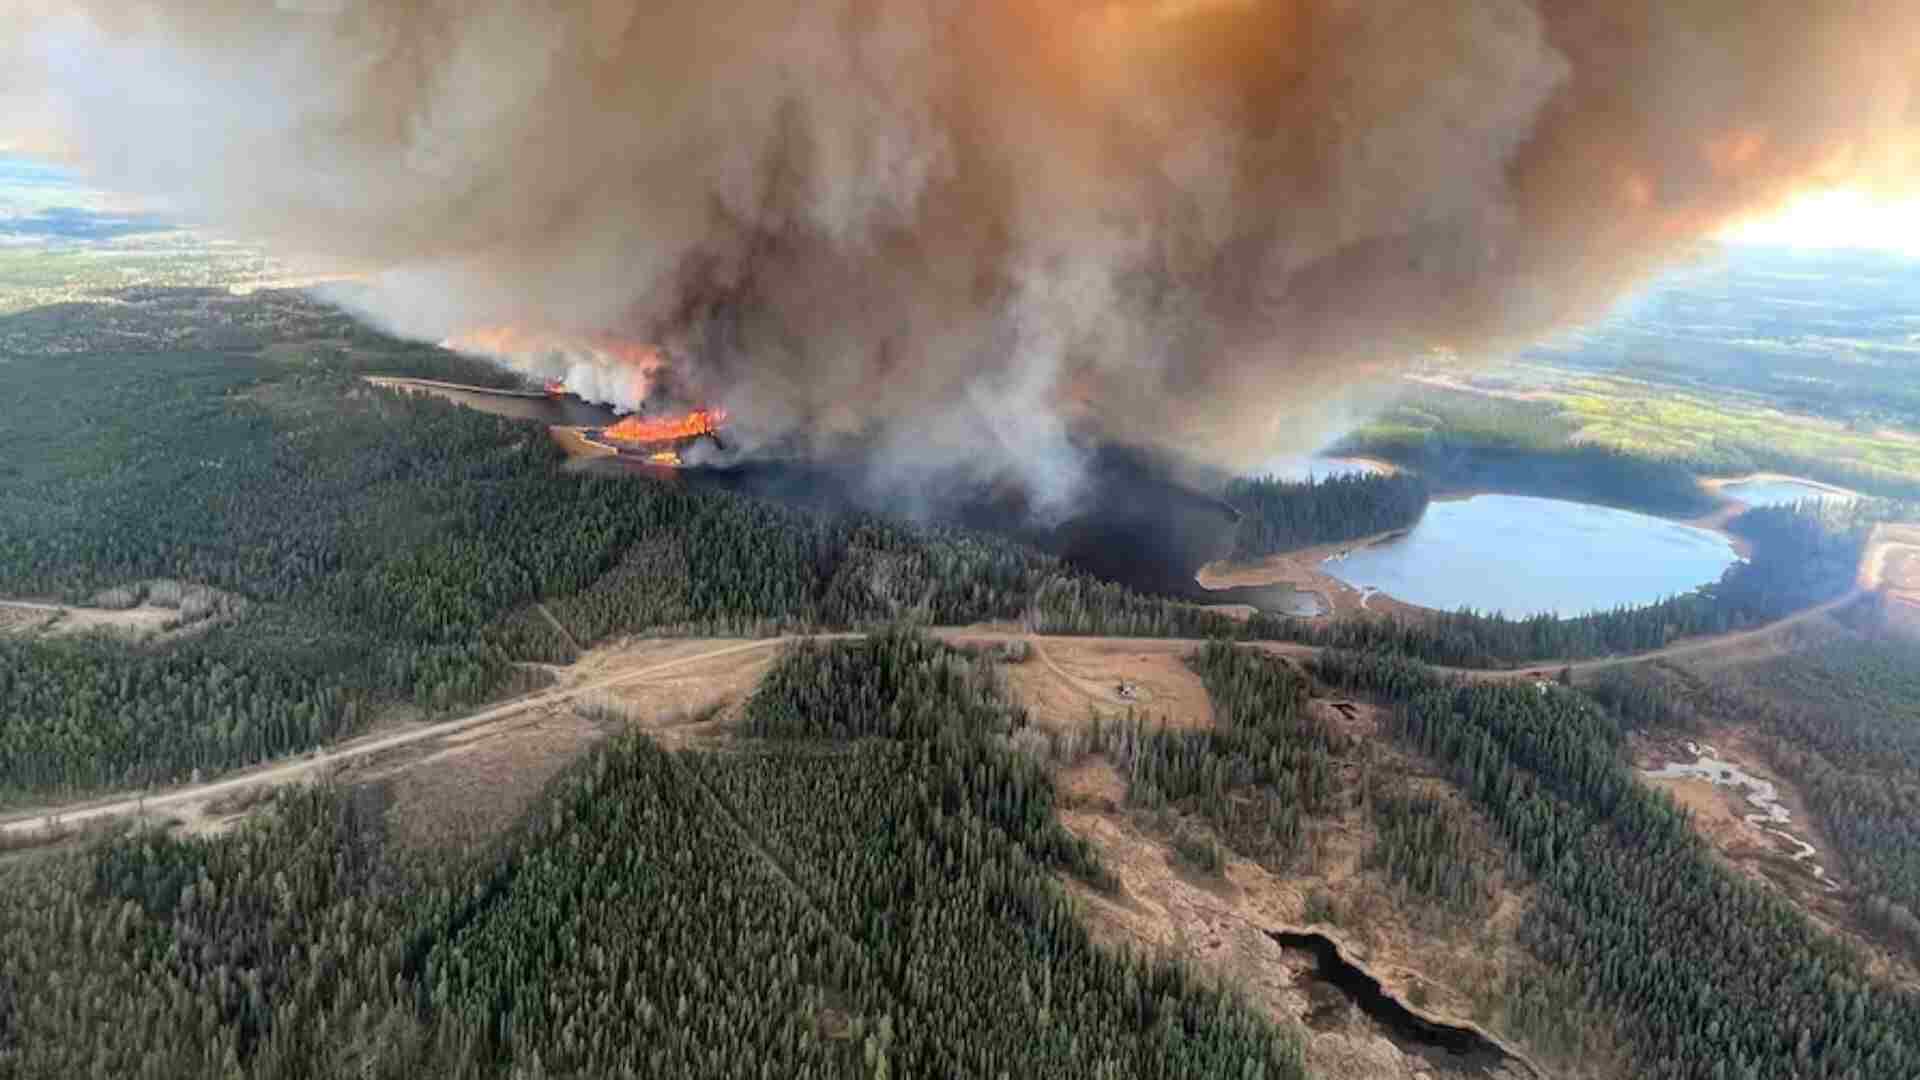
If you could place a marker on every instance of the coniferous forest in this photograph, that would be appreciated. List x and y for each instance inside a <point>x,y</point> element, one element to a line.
<point>863,873</point>
<point>863,887</point>
<point>1708,974</point>
<point>1278,515</point>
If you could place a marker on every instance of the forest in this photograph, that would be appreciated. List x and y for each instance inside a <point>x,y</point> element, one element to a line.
<point>384,550</point>
<point>1464,441</point>
<point>1278,515</point>
<point>1705,973</point>
<point>1839,714</point>
<point>861,888</point>
<point>387,548</point>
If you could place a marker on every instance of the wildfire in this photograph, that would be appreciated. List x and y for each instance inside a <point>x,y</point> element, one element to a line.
<point>556,388</point>
<point>505,341</point>
<point>699,422</point>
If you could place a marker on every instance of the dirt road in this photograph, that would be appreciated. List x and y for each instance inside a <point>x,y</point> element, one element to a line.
<point>298,769</point>
<point>1872,567</point>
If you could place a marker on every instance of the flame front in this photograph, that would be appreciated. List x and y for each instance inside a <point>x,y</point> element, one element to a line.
<point>699,422</point>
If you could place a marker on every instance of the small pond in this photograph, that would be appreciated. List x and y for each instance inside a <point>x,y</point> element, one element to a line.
<point>1777,492</point>
<point>1519,555</point>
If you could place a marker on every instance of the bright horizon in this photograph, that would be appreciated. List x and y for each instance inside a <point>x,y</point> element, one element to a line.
<point>1835,219</point>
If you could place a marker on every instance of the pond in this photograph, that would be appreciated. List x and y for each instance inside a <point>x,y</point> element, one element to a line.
<point>1519,555</point>
<point>1780,492</point>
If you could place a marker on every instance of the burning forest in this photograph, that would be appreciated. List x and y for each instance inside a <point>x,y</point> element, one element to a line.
<point>983,236</point>
<point>661,440</point>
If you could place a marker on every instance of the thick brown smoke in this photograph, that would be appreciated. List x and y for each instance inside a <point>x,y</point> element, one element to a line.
<point>969,227</point>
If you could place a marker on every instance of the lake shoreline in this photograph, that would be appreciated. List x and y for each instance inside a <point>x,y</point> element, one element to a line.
<point>1306,569</point>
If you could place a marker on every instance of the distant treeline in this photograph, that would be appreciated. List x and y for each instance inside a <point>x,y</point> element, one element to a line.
<point>1583,472</point>
<point>1465,441</point>
<point>1280,515</point>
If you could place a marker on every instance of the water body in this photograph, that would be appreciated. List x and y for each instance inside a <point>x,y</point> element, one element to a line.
<point>1455,1049</point>
<point>1778,492</point>
<point>1518,555</point>
<point>1761,794</point>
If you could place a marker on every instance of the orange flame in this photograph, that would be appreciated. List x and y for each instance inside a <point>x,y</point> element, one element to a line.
<point>694,424</point>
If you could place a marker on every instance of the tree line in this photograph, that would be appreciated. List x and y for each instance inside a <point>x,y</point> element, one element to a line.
<point>841,898</point>
<point>1279,515</point>
<point>1706,974</point>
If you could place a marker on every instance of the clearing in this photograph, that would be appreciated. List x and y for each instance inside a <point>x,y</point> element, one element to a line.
<point>1446,970</point>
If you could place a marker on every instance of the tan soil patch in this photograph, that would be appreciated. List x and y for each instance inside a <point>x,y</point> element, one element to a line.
<point>476,784</point>
<point>1218,924</point>
<point>136,623</point>
<point>1093,784</point>
<point>1305,570</point>
<point>711,693</point>
<point>24,621</point>
<point>1719,815</point>
<point>473,784</point>
<point>1065,677</point>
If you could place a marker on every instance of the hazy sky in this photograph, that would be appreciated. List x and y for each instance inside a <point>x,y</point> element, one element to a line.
<point>1837,219</point>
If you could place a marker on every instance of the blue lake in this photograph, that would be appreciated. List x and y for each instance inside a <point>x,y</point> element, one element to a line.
<point>1519,555</point>
<point>1776,492</point>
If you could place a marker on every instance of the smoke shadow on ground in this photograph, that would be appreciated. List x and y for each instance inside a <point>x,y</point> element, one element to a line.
<point>1141,520</point>
<point>1136,522</point>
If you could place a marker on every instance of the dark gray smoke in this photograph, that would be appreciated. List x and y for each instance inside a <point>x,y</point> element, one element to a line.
<point>972,230</point>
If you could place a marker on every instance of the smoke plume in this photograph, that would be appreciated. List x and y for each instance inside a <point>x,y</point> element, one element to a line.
<point>978,230</point>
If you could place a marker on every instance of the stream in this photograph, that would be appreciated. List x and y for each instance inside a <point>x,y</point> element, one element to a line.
<point>1760,793</point>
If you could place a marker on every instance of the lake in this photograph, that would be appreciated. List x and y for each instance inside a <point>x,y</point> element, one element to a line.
<point>1519,555</point>
<point>1776,492</point>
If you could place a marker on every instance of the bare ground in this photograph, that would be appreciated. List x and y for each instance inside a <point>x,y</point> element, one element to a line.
<point>603,670</point>
<point>1719,815</point>
<point>45,620</point>
<point>1064,678</point>
<point>1219,924</point>
<point>1304,570</point>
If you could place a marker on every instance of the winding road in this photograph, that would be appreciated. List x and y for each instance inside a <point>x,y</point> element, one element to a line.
<point>291,770</point>
<point>39,821</point>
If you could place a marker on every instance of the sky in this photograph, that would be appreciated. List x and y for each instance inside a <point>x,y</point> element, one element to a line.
<point>1836,219</point>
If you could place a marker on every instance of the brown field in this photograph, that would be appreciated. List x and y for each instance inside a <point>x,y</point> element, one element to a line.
<point>473,784</point>
<point>18,621</point>
<point>1065,677</point>
<point>50,621</point>
<point>1719,814</point>
<point>1218,924</point>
